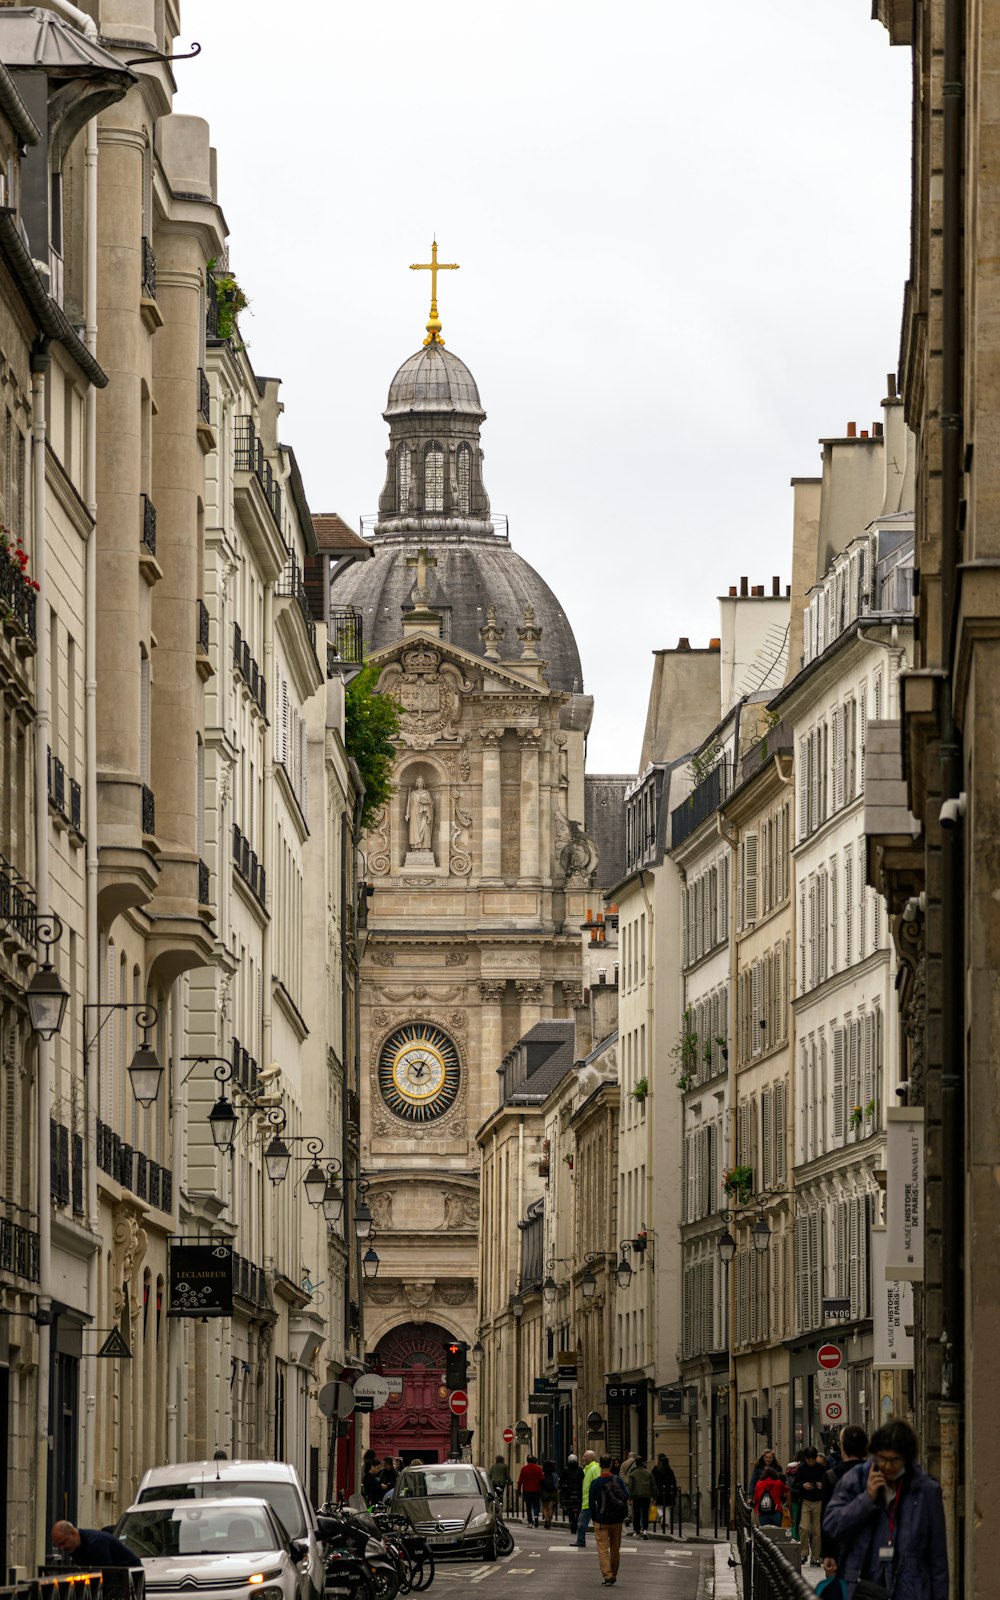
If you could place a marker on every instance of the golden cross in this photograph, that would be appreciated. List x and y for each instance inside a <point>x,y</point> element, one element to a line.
<point>422,560</point>
<point>434,266</point>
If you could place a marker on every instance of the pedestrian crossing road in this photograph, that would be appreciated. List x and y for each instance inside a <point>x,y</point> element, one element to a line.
<point>543,1560</point>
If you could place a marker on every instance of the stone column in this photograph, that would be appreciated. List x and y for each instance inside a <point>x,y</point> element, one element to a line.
<point>491,737</point>
<point>530,739</point>
<point>529,992</point>
<point>491,991</point>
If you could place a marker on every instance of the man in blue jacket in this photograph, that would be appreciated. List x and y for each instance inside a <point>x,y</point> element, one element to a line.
<point>888,1519</point>
<point>89,1547</point>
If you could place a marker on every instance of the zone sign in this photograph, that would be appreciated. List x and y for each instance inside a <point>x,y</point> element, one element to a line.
<point>829,1356</point>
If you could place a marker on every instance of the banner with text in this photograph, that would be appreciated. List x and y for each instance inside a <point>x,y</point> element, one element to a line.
<point>904,1195</point>
<point>892,1311</point>
<point>201,1280</point>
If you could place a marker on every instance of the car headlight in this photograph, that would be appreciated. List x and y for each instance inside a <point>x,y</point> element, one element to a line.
<point>264,1577</point>
<point>274,1591</point>
<point>480,1520</point>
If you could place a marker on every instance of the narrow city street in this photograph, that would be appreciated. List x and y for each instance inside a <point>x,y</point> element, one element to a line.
<point>547,1562</point>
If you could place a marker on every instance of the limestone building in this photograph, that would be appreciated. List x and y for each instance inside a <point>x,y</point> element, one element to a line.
<point>480,861</point>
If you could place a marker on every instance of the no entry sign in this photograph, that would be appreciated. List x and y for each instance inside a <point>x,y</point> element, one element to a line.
<point>508,1436</point>
<point>458,1402</point>
<point>829,1356</point>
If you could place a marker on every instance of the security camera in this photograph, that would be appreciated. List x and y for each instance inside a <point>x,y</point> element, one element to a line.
<point>953,811</point>
<point>903,1088</point>
<point>915,907</point>
<point>266,1073</point>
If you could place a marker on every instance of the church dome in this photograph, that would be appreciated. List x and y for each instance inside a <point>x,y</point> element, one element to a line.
<point>433,380</point>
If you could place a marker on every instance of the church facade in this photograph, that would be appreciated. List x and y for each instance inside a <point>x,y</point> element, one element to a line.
<point>480,863</point>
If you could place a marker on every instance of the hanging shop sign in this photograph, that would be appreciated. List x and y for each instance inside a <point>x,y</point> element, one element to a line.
<point>904,1195</point>
<point>892,1311</point>
<point>624,1394</point>
<point>200,1280</point>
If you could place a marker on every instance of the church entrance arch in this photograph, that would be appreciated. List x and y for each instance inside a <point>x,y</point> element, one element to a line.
<point>416,1422</point>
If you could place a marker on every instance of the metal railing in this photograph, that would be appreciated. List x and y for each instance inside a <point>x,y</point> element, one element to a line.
<point>18,908</point>
<point>18,1250</point>
<point>148,270</point>
<point>700,804</point>
<point>17,597</point>
<point>291,584</point>
<point>767,1572</point>
<point>204,884</point>
<point>148,811</point>
<point>56,782</point>
<point>148,534</point>
<point>247,865</point>
<point>248,669</point>
<point>203,626</point>
<point>249,1281</point>
<point>211,308</point>
<point>776,741</point>
<point>204,397</point>
<point>75,806</point>
<point>345,641</point>
<point>132,1168</point>
<point>250,457</point>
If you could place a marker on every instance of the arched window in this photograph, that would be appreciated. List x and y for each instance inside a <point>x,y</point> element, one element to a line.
<point>464,480</point>
<point>433,478</point>
<point>403,464</point>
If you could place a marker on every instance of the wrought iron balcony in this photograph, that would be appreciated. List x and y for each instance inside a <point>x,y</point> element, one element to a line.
<point>204,397</point>
<point>17,596</point>
<point>249,1281</point>
<point>203,626</point>
<point>345,644</point>
<point>291,584</point>
<point>148,811</point>
<point>247,865</point>
<point>56,782</point>
<point>248,669</point>
<point>204,884</point>
<point>148,271</point>
<point>18,909</point>
<point>18,1250</point>
<point>148,534</point>
<point>75,807</point>
<point>700,804</point>
<point>211,308</point>
<point>250,457</point>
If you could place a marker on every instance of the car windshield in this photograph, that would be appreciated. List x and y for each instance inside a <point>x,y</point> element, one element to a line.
<point>202,1530</point>
<point>280,1496</point>
<point>438,1483</point>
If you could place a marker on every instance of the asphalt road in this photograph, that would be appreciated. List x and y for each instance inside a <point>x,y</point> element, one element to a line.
<point>545,1564</point>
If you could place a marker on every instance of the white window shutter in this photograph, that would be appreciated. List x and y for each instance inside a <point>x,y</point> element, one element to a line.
<point>780,1133</point>
<point>767,1137</point>
<point>868,1066</point>
<point>862,734</point>
<point>750,889</point>
<point>803,817</point>
<point>849,955</point>
<point>803,980</point>
<point>854,1245</point>
<point>802,1274</point>
<point>739,885</point>
<point>839,1087</point>
<point>838,756</point>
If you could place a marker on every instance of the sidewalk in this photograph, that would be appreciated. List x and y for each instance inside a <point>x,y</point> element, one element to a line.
<point>728,1580</point>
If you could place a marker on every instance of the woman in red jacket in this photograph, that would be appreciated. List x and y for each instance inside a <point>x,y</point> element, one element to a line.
<point>530,1485</point>
<point>770,1497</point>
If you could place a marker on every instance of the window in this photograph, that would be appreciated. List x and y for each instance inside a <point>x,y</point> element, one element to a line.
<point>433,478</point>
<point>464,480</point>
<point>143,715</point>
<point>402,477</point>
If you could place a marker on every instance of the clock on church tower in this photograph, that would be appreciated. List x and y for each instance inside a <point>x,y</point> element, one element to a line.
<point>418,1072</point>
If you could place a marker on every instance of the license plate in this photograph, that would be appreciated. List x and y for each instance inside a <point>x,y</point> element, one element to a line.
<point>440,1538</point>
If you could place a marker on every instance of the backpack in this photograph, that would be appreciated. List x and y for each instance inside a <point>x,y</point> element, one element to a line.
<point>614,1499</point>
<point>766,1502</point>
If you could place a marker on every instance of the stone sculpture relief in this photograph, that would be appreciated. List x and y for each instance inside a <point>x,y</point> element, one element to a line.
<point>576,852</point>
<point>383,958</point>
<point>380,1206</point>
<point>456,958</point>
<point>460,862</point>
<point>418,1295</point>
<point>460,1210</point>
<point>429,693</point>
<point>379,857</point>
<point>419,816</point>
<point>455,1294</point>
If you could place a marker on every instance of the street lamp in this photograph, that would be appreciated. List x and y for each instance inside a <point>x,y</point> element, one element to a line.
<point>314,1183</point>
<point>517,1305</point>
<point>46,994</point>
<point>623,1271</point>
<point>370,1263</point>
<point>588,1285</point>
<point>761,1235</point>
<point>333,1201</point>
<point>478,1352</point>
<point>550,1289</point>
<point>364,1228</point>
<point>277,1158</point>
<point>727,1246</point>
<point>144,1070</point>
<point>223,1125</point>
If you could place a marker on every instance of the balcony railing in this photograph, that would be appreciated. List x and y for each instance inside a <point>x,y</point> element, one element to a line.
<point>211,308</point>
<point>245,1069</point>
<point>700,804</point>
<point>204,884</point>
<point>291,583</point>
<point>18,1250</point>
<point>56,782</point>
<point>250,457</point>
<point>204,397</point>
<point>345,644</point>
<point>776,741</point>
<point>17,903</point>
<point>75,807</point>
<point>203,627</point>
<point>249,1281</point>
<point>247,865</point>
<point>17,597</point>
<point>148,534</point>
<point>148,271</point>
<point>133,1169</point>
<point>148,811</point>
<point>248,669</point>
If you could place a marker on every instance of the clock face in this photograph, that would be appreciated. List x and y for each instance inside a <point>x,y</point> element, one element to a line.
<point>418,1072</point>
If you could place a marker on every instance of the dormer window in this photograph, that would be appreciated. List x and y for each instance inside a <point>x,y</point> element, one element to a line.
<point>433,478</point>
<point>464,480</point>
<point>403,469</point>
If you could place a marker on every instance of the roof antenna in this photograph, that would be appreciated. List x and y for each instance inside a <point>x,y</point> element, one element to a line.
<point>220,1455</point>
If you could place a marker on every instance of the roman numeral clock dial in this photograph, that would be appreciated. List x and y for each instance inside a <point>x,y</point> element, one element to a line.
<point>418,1072</point>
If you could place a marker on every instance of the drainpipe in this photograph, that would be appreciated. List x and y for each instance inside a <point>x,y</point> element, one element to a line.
<point>268,1194</point>
<point>650,1150</point>
<point>40,359</point>
<point>952,852</point>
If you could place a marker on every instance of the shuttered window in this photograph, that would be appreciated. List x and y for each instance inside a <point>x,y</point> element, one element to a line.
<point>839,1085</point>
<point>803,818</point>
<point>780,1134</point>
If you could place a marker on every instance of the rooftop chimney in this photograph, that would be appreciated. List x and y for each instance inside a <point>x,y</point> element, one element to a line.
<point>757,591</point>
<point>775,586</point>
<point>890,385</point>
<point>864,433</point>
<point>744,591</point>
<point>877,430</point>
<point>732,589</point>
<point>852,430</point>
<point>716,644</point>
<point>684,644</point>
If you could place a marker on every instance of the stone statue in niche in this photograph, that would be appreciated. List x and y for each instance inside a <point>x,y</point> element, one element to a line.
<point>419,818</point>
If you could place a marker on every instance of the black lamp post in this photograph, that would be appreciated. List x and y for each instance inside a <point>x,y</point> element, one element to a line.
<point>46,994</point>
<point>144,1070</point>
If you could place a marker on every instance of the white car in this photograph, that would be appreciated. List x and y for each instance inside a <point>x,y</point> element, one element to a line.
<point>233,1549</point>
<point>277,1482</point>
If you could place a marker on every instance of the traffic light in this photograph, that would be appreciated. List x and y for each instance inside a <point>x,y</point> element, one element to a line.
<point>456,1366</point>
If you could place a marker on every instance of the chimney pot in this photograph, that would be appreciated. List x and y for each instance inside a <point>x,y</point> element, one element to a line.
<point>757,590</point>
<point>890,385</point>
<point>732,589</point>
<point>877,430</point>
<point>864,433</point>
<point>590,916</point>
<point>852,430</point>
<point>744,591</point>
<point>775,586</point>
<point>684,644</point>
<point>715,644</point>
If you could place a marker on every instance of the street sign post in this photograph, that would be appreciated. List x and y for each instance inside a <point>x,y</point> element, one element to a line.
<point>508,1436</point>
<point>829,1356</point>
<point>336,1400</point>
<point>371,1386</point>
<point>458,1402</point>
<point>833,1408</point>
<point>829,1382</point>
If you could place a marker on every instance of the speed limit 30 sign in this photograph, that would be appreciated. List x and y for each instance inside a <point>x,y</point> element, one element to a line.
<point>833,1410</point>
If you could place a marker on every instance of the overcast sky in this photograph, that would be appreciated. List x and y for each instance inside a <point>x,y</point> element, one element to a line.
<point>683,236</point>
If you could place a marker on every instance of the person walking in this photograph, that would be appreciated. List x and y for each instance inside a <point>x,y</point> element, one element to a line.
<point>641,1492</point>
<point>853,1449</point>
<point>550,1492</point>
<point>766,1459</point>
<point>809,1484</point>
<point>591,1471</point>
<point>530,1485</point>
<point>89,1547</point>
<point>499,1477</point>
<point>571,1485</point>
<point>770,1498</point>
<point>608,1510</point>
<point>887,1515</point>
<point>664,1486</point>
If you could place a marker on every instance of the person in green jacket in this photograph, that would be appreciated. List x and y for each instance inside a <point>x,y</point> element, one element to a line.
<point>641,1490</point>
<point>591,1470</point>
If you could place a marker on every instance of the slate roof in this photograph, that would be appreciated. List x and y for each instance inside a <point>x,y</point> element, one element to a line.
<point>604,820</point>
<point>334,535</point>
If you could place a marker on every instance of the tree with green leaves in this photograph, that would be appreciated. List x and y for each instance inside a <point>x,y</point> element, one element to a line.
<point>371,722</point>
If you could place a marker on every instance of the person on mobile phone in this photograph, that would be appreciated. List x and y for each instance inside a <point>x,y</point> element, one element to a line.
<point>887,1517</point>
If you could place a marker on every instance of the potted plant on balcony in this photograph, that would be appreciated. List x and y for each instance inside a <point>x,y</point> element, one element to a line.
<point>640,1241</point>
<point>685,1054</point>
<point>737,1182</point>
<point>15,581</point>
<point>641,1090</point>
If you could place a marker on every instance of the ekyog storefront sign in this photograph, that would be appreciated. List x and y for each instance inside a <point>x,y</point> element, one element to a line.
<point>904,1195</point>
<point>200,1279</point>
